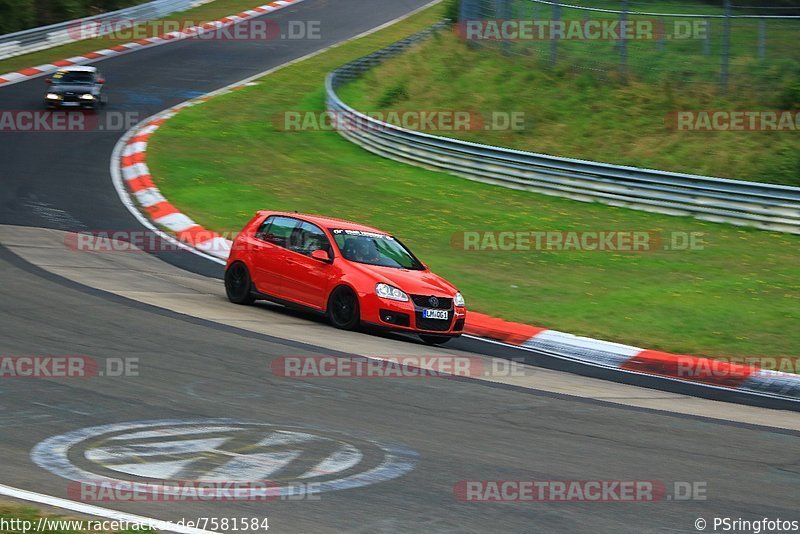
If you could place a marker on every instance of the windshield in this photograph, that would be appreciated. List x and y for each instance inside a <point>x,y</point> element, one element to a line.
<point>375,249</point>
<point>73,78</point>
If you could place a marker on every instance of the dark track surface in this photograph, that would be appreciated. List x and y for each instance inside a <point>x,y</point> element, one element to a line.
<point>190,368</point>
<point>462,430</point>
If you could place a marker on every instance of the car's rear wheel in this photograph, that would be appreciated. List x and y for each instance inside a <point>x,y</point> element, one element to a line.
<point>343,309</point>
<point>434,339</point>
<point>238,286</point>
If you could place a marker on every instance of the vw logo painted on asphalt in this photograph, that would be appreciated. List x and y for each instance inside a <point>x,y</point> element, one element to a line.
<point>153,453</point>
<point>434,302</point>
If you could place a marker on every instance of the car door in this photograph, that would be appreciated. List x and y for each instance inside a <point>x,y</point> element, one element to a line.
<point>308,278</point>
<point>269,254</point>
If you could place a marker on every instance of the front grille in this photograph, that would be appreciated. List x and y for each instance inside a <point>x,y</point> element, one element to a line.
<point>444,303</point>
<point>437,325</point>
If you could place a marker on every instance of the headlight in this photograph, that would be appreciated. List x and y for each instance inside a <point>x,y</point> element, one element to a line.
<point>390,292</point>
<point>87,97</point>
<point>53,96</point>
<point>458,300</point>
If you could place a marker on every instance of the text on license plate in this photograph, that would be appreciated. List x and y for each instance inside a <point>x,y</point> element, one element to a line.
<point>435,314</point>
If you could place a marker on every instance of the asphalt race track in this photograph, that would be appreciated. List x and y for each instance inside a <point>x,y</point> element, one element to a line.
<point>389,451</point>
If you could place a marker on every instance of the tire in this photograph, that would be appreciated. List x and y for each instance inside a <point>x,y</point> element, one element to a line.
<point>238,284</point>
<point>343,309</point>
<point>434,339</point>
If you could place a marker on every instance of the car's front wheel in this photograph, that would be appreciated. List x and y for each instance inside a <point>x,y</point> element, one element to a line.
<point>434,339</point>
<point>238,284</point>
<point>343,309</point>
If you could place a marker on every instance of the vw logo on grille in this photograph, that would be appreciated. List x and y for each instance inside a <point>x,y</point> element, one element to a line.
<point>434,302</point>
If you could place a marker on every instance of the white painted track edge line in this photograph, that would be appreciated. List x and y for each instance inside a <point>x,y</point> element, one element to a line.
<point>98,511</point>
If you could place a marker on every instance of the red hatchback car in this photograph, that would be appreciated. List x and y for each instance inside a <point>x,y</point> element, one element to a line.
<point>352,273</point>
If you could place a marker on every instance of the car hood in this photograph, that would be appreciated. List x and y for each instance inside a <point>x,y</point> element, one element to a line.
<point>412,282</point>
<point>78,89</point>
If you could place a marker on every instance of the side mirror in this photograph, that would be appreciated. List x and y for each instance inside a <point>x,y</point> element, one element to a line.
<point>101,81</point>
<point>48,81</point>
<point>321,255</point>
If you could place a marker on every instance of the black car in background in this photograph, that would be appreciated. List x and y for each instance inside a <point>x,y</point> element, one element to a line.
<point>78,87</point>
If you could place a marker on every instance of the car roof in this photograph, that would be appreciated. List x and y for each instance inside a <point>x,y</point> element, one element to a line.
<point>78,69</point>
<point>327,222</point>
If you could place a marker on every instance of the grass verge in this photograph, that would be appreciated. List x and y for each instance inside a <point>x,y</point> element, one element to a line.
<point>214,10</point>
<point>20,518</point>
<point>578,114</point>
<point>738,296</point>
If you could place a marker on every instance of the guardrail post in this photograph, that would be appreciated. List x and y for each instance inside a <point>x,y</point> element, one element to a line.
<point>503,13</point>
<point>726,46</point>
<point>623,43</point>
<point>553,38</point>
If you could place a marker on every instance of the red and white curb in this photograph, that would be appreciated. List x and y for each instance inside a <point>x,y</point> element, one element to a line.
<point>705,371</point>
<point>136,177</point>
<point>10,78</point>
<point>137,190</point>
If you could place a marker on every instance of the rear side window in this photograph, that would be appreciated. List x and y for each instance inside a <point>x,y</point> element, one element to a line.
<point>277,230</point>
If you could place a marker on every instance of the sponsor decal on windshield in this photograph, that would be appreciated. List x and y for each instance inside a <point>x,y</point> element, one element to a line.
<point>361,233</point>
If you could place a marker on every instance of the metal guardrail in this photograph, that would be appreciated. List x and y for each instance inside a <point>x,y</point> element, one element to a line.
<point>34,39</point>
<point>765,206</point>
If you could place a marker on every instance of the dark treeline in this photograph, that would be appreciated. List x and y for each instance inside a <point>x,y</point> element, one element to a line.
<point>18,15</point>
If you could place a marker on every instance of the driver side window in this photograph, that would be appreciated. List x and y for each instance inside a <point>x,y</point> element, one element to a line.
<point>309,238</point>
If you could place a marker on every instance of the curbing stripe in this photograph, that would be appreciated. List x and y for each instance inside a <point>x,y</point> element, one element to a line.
<point>773,383</point>
<point>583,348</point>
<point>174,220</point>
<point>149,197</point>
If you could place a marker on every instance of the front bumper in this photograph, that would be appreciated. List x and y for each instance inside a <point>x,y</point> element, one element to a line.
<point>71,103</point>
<point>407,317</point>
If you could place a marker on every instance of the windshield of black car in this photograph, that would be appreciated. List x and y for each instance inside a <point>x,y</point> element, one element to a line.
<point>375,249</point>
<point>73,78</point>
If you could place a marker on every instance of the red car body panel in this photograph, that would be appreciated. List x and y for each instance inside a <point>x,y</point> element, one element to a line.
<point>294,278</point>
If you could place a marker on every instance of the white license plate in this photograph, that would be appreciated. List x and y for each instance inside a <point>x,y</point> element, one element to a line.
<point>435,314</point>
